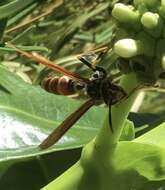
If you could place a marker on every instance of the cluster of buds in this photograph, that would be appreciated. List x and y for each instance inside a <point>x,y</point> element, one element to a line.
<point>140,37</point>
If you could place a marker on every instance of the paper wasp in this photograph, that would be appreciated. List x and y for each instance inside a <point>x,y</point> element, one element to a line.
<point>99,88</point>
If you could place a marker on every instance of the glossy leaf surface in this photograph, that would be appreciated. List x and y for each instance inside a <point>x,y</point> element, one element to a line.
<point>28,114</point>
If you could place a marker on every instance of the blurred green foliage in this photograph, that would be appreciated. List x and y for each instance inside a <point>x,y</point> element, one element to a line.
<point>59,29</point>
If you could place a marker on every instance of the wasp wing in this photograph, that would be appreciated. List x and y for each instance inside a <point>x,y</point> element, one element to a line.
<point>39,58</point>
<point>91,58</point>
<point>66,125</point>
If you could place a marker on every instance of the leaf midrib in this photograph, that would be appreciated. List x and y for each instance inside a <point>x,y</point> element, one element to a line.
<point>4,107</point>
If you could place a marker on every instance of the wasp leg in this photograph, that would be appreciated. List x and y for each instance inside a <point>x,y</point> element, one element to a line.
<point>110,118</point>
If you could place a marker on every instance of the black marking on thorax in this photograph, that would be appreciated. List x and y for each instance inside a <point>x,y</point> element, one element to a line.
<point>94,87</point>
<point>112,93</point>
<point>103,90</point>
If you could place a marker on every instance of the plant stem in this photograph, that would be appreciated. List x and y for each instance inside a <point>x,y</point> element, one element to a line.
<point>69,180</point>
<point>97,156</point>
<point>119,115</point>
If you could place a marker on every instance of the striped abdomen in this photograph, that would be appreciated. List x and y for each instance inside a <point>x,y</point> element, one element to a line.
<point>59,85</point>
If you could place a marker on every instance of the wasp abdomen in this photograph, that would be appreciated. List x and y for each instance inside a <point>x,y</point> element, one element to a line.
<point>59,85</point>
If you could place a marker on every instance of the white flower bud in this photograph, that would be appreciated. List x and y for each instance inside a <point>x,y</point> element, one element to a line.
<point>126,48</point>
<point>150,20</point>
<point>125,13</point>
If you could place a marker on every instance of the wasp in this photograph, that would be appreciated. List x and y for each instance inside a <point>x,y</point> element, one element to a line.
<point>99,88</point>
<point>65,85</point>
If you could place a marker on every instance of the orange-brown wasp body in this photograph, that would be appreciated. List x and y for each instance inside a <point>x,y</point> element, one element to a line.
<point>99,88</point>
<point>61,85</point>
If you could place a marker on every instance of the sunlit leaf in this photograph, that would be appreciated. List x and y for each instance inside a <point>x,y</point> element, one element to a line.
<point>28,114</point>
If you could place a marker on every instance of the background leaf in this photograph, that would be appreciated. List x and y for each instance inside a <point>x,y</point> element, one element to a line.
<point>28,114</point>
<point>142,164</point>
<point>138,166</point>
<point>128,132</point>
<point>13,7</point>
<point>155,136</point>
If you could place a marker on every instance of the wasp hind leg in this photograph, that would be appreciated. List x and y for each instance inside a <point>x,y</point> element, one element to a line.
<point>110,118</point>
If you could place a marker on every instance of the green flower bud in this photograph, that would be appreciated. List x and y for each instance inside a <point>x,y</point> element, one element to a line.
<point>125,13</point>
<point>127,48</point>
<point>150,20</point>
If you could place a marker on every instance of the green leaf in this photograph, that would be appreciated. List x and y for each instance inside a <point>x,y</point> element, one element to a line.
<point>28,114</point>
<point>22,14</point>
<point>128,132</point>
<point>155,136</point>
<point>133,166</point>
<point>3,23</point>
<point>22,37</point>
<point>13,7</point>
<point>70,30</point>
<point>142,164</point>
<point>25,48</point>
<point>138,166</point>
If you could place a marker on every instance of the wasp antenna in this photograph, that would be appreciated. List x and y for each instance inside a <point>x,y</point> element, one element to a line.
<point>27,54</point>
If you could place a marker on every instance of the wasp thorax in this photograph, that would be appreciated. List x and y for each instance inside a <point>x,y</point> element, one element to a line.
<point>97,75</point>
